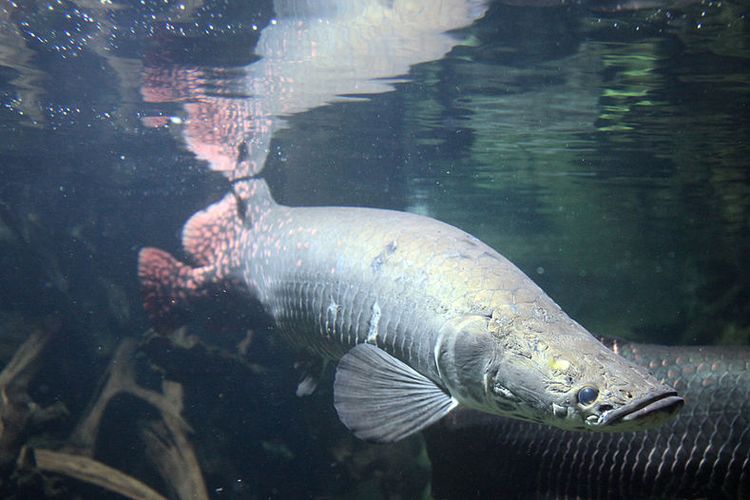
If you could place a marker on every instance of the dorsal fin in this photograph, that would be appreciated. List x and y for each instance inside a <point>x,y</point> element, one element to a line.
<point>209,233</point>
<point>253,197</point>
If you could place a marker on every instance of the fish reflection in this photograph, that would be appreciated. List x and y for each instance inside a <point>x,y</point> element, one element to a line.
<point>312,54</point>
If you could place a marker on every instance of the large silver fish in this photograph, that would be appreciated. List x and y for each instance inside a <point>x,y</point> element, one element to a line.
<point>422,315</point>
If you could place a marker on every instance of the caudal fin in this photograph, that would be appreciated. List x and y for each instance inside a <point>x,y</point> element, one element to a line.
<point>214,240</point>
<point>168,285</point>
<point>211,239</point>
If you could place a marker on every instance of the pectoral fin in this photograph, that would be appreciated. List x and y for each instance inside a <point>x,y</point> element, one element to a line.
<point>382,399</point>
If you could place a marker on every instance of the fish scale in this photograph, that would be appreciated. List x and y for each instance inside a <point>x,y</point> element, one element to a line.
<point>366,238</point>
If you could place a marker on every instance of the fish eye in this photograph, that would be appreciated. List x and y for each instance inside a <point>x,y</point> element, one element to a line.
<point>587,395</point>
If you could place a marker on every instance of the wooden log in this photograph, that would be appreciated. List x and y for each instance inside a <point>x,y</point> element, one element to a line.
<point>93,472</point>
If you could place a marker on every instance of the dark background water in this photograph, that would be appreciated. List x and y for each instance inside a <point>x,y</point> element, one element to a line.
<point>602,149</point>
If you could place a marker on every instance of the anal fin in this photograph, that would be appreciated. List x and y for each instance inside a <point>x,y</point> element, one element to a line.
<point>382,399</point>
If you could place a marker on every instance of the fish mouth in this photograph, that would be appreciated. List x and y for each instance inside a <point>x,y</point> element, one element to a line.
<point>651,409</point>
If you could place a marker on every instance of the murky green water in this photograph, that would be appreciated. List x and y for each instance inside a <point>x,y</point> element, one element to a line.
<point>603,149</point>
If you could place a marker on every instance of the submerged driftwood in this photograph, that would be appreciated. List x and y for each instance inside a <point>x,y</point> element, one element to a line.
<point>87,470</point>
<point>16,406</point>
<point>167,445</point>
<point>121,380</point>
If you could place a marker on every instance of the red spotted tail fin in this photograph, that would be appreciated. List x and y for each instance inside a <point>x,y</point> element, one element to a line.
<point>212,239</point>
<point>168,284</point>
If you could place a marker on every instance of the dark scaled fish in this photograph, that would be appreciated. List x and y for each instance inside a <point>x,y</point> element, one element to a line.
<point>423,317</point>
<point>702,453</point>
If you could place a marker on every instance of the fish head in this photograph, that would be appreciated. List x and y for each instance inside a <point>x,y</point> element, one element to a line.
<point>580,384</point>
<point>559,375</point>
<point>614,394</point>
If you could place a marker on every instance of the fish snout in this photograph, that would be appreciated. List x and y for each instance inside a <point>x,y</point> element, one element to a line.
<point>651,410</point>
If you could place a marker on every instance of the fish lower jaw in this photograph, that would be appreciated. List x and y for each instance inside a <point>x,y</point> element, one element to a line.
<point>637,415</point>
<point>593,420</point>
